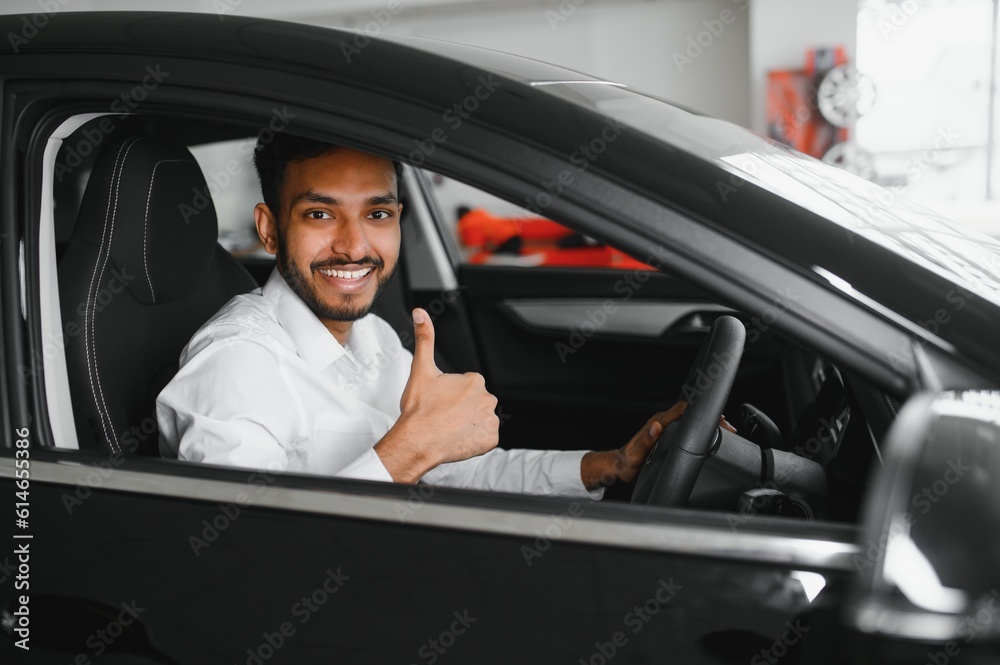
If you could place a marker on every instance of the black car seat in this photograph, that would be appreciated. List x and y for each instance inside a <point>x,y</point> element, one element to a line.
<point>141,273</point>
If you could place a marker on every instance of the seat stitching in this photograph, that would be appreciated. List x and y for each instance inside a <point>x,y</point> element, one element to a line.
<point>106,237</point>
<point>90,290</point>
<point>145,224</point>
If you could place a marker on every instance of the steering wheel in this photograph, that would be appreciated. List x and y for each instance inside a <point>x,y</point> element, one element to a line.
<point>669,473</point>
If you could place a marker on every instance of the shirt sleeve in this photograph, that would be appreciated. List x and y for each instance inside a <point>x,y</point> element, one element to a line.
<point>524,471</point>
<point>230,405</point>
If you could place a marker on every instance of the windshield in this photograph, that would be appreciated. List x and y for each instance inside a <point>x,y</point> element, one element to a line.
<point>963,256</point>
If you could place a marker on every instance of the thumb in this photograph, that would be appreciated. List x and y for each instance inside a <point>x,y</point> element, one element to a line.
<point>423,348</point>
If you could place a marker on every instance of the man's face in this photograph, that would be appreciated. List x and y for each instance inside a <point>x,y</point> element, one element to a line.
<point>337,234</point>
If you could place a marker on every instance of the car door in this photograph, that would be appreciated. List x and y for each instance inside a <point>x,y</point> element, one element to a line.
<point>156,562</point>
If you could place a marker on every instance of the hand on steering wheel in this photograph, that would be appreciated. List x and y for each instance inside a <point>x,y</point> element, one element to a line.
<point>669,472</point>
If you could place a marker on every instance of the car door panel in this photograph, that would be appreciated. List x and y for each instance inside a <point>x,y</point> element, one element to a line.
<point>629,319</point>
<point>581,358</point>
<point>229,579</point>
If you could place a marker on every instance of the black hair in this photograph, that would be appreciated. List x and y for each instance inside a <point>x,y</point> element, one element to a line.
<point>271,157</point>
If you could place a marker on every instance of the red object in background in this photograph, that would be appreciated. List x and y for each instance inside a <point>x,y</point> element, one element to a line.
<point>478,228</point>
<point>792,115</point>
<point>537,241</point>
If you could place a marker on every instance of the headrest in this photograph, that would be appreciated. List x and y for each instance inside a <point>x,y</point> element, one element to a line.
<point>147,208</point>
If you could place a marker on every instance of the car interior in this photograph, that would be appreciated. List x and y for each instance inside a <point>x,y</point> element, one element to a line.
<point>150,283</point>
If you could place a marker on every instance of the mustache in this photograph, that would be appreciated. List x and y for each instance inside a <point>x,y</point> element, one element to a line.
<point>330,264</point>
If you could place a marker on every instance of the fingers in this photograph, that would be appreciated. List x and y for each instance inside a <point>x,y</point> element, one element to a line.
<point>664,418</point>
<point>423,349</point>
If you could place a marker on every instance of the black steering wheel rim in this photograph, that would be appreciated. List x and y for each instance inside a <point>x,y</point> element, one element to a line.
<point>671,469</point>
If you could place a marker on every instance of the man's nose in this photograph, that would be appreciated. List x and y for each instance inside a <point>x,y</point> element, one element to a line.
<point>350,239</point>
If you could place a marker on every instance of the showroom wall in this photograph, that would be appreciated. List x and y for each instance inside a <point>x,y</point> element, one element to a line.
<point>693,52</point>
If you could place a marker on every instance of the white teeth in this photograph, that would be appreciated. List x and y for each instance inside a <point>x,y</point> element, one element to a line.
<point>347,274</point>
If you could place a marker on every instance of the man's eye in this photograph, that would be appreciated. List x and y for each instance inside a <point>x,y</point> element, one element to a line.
<point>381,214</point>
<point>317,214</point>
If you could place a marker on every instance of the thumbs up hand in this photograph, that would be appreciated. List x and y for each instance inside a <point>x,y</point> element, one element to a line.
<point>423,367</point>
<point>443,417</point>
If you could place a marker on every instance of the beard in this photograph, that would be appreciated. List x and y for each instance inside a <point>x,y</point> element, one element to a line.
<point>352,306</point>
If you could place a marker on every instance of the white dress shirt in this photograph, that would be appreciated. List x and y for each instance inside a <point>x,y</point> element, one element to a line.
<point>263,384</point>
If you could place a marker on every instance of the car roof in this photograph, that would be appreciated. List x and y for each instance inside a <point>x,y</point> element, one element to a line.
<point>892,256</point>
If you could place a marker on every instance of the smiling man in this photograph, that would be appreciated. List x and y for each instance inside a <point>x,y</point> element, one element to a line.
<point>299,376</point>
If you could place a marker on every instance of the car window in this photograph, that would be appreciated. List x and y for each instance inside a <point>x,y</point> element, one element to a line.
<point>234,190</point>
<point>491,231</point>
<point>477,222</point>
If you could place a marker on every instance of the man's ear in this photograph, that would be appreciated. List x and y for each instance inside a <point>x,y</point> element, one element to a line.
<point>267,227</point>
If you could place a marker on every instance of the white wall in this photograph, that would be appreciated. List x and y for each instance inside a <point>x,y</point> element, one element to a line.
<point>629,41</point>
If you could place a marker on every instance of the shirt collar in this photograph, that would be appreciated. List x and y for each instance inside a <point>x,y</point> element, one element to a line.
<point>313,341</point>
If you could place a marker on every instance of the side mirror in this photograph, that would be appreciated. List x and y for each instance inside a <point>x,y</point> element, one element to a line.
<point>928,586</point>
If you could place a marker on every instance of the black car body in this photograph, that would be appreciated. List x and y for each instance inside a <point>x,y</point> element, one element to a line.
<point>871,331</point>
